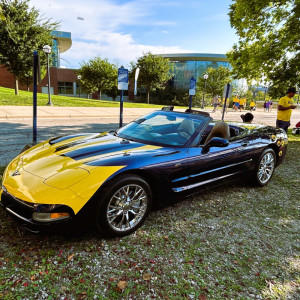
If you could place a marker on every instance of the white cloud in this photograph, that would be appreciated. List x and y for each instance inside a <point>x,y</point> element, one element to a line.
<point>100,33</point>
<point>116,46</point>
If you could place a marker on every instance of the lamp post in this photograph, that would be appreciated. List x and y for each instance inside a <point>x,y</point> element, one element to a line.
<point>265,93</point>
<point>79,78</point>
<point>47,50</point>
<point>205,76</point>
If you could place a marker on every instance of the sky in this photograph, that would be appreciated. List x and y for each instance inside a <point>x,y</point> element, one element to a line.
<point>123,30</point>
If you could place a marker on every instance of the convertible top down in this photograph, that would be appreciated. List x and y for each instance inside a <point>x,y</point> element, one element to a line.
<point>115,178</point>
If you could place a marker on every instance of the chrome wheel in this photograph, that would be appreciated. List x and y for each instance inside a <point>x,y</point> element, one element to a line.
<point>127,207</point>
<point>266,168</point>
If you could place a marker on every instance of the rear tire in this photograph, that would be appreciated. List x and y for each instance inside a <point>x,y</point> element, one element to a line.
<point>265,167</point>
<point>124,207</point>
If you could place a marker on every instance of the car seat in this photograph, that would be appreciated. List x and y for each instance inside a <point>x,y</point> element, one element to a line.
<point>221,129</point>
<point>186,128</point>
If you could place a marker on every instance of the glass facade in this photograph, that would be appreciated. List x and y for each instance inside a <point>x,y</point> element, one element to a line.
<point>55,61</point>
<point>61,42</point>
<point>65,88</point>
<point>194,65</point>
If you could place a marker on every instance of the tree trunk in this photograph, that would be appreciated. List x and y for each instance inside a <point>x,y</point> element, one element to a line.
<point>16,86</point>
<point>148,96</point>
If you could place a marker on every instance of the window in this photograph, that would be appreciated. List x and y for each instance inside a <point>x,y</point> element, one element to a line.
<point>65,88</point>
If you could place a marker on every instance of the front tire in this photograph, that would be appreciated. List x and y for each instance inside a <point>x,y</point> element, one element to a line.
<point>265,167</point>
<point>125,206</point>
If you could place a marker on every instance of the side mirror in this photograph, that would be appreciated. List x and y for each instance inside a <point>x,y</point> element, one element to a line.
<point>215,142</point>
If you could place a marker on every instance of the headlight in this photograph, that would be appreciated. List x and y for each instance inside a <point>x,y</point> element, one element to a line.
<point>48,217</point>
<point>50,212</point>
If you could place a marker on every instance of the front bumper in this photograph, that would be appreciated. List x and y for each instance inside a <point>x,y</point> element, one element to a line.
<point>23,211</point>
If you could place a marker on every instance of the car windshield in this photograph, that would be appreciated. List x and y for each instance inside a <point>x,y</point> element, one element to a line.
<point>164,128</point>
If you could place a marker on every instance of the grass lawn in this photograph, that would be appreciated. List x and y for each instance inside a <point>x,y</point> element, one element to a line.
<point>237,242</point>
<point>8,97</point>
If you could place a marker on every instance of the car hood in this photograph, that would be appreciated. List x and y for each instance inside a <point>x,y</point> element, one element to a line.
<point>64,155</point>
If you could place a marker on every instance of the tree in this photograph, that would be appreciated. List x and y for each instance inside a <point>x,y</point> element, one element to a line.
<point>154,72</point>
<point>217,79</point>
<point>22,31</point>
<point>98,75</point>
<point>269,41</point>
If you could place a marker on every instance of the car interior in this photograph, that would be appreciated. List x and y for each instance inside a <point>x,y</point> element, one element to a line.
<point>220,129</point>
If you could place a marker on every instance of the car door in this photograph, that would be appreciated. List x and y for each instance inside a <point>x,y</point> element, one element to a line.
<point>244,142</point>
<point>217,164</point>
<point>213,166</point>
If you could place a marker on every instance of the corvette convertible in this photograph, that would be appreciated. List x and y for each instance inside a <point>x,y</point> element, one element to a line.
<point>113,179</point>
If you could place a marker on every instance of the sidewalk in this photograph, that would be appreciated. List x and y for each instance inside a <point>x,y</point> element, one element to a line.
<point>112,113</point>
<point>15,112</point>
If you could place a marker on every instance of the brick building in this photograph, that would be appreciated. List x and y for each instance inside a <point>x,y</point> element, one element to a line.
<point>62,81</point>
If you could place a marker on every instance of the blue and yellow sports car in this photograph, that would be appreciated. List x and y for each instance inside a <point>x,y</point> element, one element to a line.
<point>113,179</point>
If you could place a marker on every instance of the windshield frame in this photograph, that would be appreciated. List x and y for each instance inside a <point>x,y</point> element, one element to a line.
<point>199,129</point>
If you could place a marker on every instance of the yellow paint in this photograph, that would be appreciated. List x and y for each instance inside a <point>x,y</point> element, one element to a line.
<point>146,148</point>
<point>49,178</point>
<point>66,178</point>
<point>87,187</point>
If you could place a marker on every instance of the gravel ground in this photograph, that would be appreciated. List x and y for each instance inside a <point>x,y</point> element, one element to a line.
<point>234,242</point>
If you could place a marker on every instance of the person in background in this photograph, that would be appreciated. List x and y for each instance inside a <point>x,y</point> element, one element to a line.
<point>215,101</point>
<point>247,118</point>
<point>268,106</point>
<point>285,107</point>
<point>271,105</point>
<point>244,103</point>
<point>236,105</point>
<point>265,105</point>
<point>252,105</point>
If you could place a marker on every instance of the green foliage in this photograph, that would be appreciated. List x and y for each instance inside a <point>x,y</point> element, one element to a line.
<point>22,31</point>
<point>154,71</point>
<point>269,42</point>
<point>98,75</point>
<point>217,79</point>
<point>170,96</point>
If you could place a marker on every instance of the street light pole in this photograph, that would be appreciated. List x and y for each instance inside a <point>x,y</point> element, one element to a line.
<point>205,76</point>
<point>47,50</point>
<point>265,93</point>
<point>79,78</point>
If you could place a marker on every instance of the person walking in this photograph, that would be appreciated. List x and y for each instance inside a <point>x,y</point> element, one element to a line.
<point>271,105</point>
<point>267,106</point>
<point>285,106</point>
<point>252,106</point>
<point>215,102</point>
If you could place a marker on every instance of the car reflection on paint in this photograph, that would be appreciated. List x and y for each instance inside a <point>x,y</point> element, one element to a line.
<point>114,179</point>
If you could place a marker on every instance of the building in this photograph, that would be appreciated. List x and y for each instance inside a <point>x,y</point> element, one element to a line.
<point>189,65</point>
<point>63,81</point>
